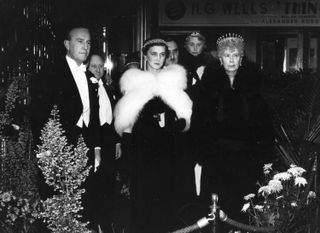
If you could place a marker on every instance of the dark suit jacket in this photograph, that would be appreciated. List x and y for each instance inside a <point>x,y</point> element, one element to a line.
<point>55,85</point>
<point>109,137</point>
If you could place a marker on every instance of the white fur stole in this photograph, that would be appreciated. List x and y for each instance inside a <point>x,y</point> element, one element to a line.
<point>139,87</point>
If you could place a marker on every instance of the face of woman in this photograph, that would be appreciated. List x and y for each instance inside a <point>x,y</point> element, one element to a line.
<point>231,60</point>
<point>194,46</point>
<point>155,57</point>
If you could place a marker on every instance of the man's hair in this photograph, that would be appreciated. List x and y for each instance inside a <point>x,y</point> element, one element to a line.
<point>95,54</point>
<point>169,38</point>
<point>74,25</point>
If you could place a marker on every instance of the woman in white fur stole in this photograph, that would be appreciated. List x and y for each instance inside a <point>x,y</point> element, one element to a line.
<point>154,107</point>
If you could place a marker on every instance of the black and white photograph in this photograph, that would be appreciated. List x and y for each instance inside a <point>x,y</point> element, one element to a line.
<point>159,116</point>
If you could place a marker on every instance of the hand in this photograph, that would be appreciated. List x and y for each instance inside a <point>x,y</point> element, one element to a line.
<point>97,158</point>
<point>118,151</point>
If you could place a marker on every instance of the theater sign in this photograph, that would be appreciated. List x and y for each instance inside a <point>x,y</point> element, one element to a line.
<point>239,13</point>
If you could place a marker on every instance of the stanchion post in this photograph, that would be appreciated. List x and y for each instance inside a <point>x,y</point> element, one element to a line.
<point>215,213</point>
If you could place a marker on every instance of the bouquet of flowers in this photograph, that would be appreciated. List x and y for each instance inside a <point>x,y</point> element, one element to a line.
<point>283,201</point>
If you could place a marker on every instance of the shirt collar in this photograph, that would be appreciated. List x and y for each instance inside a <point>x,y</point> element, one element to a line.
<point>100,82</point>
<point>74,66</point>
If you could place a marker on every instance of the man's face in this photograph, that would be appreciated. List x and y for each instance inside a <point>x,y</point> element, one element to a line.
<point>96,66</point>
<point>78,45</point>
<point>173,56</point>
<point>194,46</point>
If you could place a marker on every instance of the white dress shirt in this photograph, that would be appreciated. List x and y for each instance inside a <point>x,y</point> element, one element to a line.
<point>78,73</point>
<point>105,109</point>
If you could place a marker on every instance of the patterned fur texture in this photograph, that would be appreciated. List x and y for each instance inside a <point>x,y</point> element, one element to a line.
<point>139,87</point>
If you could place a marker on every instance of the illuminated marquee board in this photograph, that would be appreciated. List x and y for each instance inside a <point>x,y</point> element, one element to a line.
<point>239,13</point>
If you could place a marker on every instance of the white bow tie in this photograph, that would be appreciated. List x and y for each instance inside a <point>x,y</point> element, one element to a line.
<point>82,67</point>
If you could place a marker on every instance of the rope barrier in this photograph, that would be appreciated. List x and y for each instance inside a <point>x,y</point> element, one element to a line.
<point>241,226</point>
<point>217,214</point>
<point>200,224</point>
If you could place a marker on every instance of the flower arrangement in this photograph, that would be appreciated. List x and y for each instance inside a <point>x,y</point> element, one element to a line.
<point>16,211</point>
<point>18,190</point>
<point>283,202</point>
<point>64,168</point>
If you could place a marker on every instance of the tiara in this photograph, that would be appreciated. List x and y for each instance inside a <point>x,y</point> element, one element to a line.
<point>230,36</point>
<point>195,34</point>
<point>154,41</point>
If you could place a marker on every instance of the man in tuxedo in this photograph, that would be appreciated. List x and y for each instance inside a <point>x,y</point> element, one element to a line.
<point>110,146</point>
<point>66,84</point>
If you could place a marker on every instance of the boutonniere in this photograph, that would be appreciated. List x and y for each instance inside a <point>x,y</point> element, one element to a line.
<point>94,80</point>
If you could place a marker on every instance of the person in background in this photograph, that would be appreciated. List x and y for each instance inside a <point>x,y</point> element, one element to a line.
<point>235,134</point>
<point>104,189</point>
<point>153,108</point>
<point>173,52</point>
<point>194,58</point>
<point>132,61</point>
<point>66,84</point>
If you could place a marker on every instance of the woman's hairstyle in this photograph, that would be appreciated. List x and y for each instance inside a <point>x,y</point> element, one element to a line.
<point>232,41</point>
<point>196,34</point>
<point>148,43</point>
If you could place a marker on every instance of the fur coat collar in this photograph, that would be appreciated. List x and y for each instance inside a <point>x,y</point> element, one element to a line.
<point>247,80</point>
<point>139,87</point>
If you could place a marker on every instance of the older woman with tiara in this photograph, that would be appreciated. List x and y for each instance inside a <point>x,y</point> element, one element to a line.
<point>235,132</point>
<point>154,106</point>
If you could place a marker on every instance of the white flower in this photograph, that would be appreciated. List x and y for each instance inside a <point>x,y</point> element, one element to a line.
<point>295,170</point>
<point>43,154</point>
<point>249,196</point>
<point>267,168</point>
<point>294,204</point>
<point>259,207</point>
<point>245,207</point>
<point>311,194</point>
<point>282,176</point>
<point>275,186</point>
<point>94,80</point>
<point>6,197</point>
<point>265,190</point>
<point>15,126</point>
<point>300,181</point>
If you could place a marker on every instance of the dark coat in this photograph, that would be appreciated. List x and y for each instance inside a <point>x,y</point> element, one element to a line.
<point>108,136</point>
<point>55,85</point>
<point>149,157</point>
<point>104,178</point>
<point>192,63</point>
<point>235,135</point>
<point>238,114</point>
